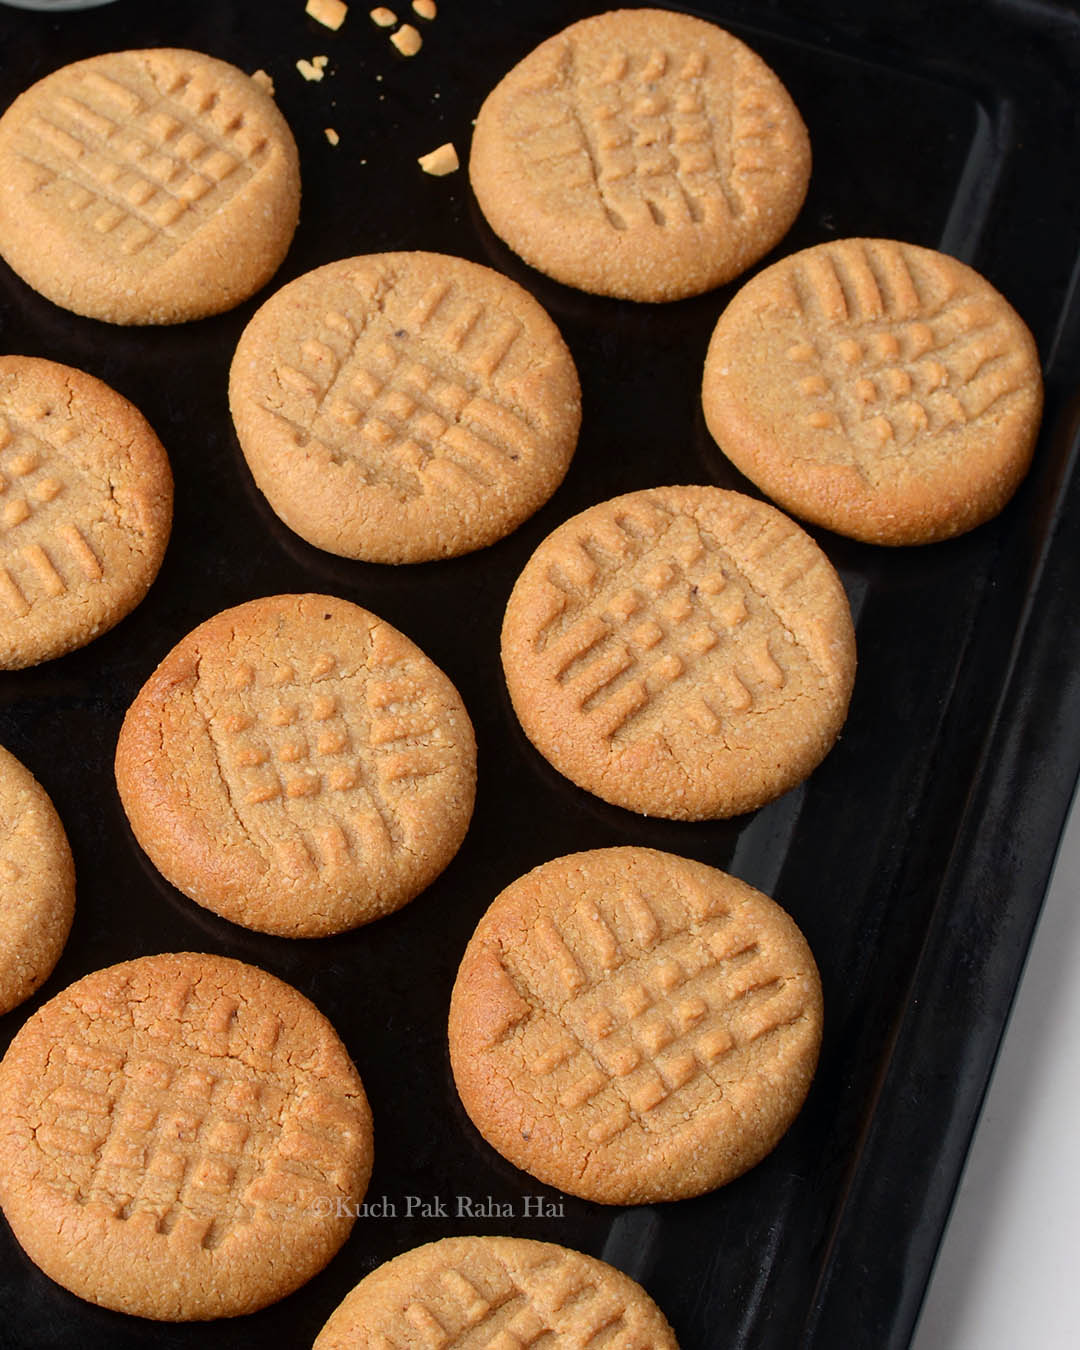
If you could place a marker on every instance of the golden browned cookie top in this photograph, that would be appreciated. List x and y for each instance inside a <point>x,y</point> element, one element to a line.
<point>146,186</point>
<point>496,1293</point>
<point>298,765</point>
<point>181,1137</point>
<point>880,389</point>
<point>404,406</point>
<point>85,509</point>
<point>37,883</point>
<point>681,651</point>
<point>643,154</point>
<point>631,1026</point>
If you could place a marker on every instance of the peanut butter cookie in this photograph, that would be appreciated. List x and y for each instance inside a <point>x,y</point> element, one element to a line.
<point>642,154</point>
<point>298,766</point>
<point>402,407</point>
<point>631,1026</point>
<point>181,1137</point>
<point>681,651</point>
<point>146,186</point>
<point>883,390</point>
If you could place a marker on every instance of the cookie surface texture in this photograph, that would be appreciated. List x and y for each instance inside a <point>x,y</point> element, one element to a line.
<point>402,407</point>
<point>176,1134</point>
<point>37,884</point>
<point>631,1026</point>
<point>473,1292</point>
<point>685,652</point>
<point>298,766</point>
<point>146,187</point>
<point>85,509</point>
<point>640,154</point>
<point>880,389</point>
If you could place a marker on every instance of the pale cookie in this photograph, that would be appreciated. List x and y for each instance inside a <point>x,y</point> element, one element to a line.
<point>883,390</point>
<point>181,1137</point>
<point>85,509</point>
<point>631,1026</point>
<point>401,407</point>
<point>37,884</point>
<point>681,651</point>
<point>641,154</point>
<point>298,766</point>
<point>146,186</point>
<point>499,1293</point>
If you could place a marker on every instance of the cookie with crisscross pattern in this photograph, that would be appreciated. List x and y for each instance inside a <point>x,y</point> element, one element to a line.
<point>642,154</point>
<point>401,407</point>
<point>632,1026</point>
<point>146,186</point>
<point>880,389</point>
<point>680,651</point>
<point>181,1137</point>
<point>496,1293</point>
<point>297,765</point>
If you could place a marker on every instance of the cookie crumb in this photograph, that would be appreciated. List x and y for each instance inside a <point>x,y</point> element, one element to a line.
<point>427,9</point>
<point>264,81</point>
<point>407,40</point>
<point>441,161</point>
<point>331,135</point>
<point>330,13</point>
<point>320,62</point>
<point>385,18</point>
<point>310,70</point>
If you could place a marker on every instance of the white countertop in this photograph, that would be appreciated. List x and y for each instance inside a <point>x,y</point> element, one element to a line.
<point>1007,1274</point>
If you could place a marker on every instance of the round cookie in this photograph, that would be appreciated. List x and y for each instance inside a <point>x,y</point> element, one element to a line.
<point>401,407</point>
<point>682,651</point>
<point>641,154</point>
<point>298,766</point>
<point>146,186</point>
<point>37,884</point>
<point>882,390</point>
<point>631,1026</point>
<point>85,509</point>
<point>181,1137</point>
<point>455,1293</point>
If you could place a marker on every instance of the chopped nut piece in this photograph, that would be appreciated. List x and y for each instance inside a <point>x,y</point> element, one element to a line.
<point>331,135</point>
<point>385,18</point>
<point>330,13</point>
<point>407,40</point>
<point>441,161</point>
<point>308,70</point>
<point>264,81</point>
<point>427,9</point>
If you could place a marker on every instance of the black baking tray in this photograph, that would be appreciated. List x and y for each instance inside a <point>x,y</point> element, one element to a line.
<point>915,859</point>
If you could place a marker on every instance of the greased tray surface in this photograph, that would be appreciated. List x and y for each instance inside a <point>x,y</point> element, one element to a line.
<point>915,859</point>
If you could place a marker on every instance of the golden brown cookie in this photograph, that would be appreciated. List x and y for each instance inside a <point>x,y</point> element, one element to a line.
<point>681,651</point>
<point>631,1026</point>
<point>642,154</point>
<point>297,765</point>
<point>146,186</point>
<point>880,389</point>
<point>37,884</point>
<point>401,407</point>
<point>502,1293</point>
<point>85,509</point>
<point>181,1137</point>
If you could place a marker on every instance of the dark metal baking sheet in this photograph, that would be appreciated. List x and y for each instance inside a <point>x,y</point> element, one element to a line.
<point>915,859</point>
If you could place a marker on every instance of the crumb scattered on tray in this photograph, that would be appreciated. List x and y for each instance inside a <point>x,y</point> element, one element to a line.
<point>313,69</point>
<point>427,9</point>
<point>385,18</point>
<point>331,135</point>
<point>442,161</point>
<point>407,40</point>
<point>330,13</point>
<point>264,81</point>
